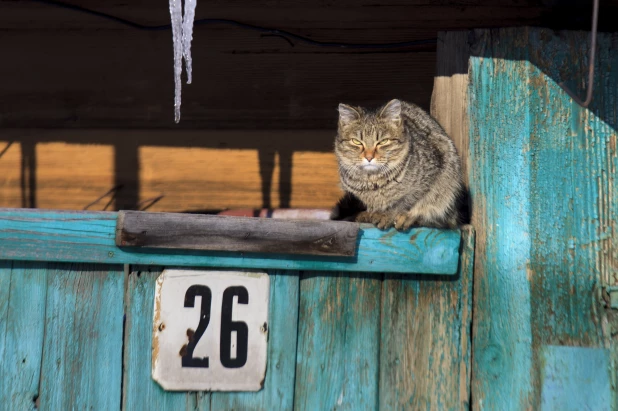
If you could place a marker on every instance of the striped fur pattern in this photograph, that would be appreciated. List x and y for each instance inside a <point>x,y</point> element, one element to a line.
<point>398,168</point>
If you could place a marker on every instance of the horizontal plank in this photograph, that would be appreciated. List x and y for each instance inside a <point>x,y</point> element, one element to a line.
<point>45,235</point>
<point>282,14</point>
<point>242,234</point>
<point>240,80</point>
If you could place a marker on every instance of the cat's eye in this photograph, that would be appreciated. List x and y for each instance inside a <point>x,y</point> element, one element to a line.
<point>355,141</point>
<point>385,141</point>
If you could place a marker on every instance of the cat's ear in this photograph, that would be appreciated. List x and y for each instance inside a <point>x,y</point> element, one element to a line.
<point>392,112</point>
<point>347,114</point>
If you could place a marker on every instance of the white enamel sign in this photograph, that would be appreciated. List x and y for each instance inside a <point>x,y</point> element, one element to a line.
<point>210,330</point>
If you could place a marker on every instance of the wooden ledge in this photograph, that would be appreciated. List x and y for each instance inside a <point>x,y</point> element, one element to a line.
<point>90,237</point>
<point>243,234</point>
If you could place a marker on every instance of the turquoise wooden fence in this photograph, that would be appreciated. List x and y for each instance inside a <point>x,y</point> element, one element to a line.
<point>366,333</point>
<point>543,181</point>
<point>76,318</point>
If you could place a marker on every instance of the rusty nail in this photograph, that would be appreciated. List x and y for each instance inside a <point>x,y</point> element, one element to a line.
<point>264,328</point>
<point>161,327</point>
<point>110,254</point>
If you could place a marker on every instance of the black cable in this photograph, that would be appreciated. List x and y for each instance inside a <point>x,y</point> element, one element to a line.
<point>264,30</point>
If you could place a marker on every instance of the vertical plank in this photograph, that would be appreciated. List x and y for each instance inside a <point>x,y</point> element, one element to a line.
<point>338,342</point>
<point>501,325</point>
<point>425,339</point>
<point>23,289</point>
<point>278,391</point>
<point>449,100</point>
<point>82,349</point>
<point>139,390</point>
<point>543,182</point>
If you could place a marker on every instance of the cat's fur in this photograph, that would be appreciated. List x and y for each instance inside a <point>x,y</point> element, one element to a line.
<point>413,179</point>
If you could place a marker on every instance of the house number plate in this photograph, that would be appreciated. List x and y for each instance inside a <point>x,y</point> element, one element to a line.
<point>210,330</point>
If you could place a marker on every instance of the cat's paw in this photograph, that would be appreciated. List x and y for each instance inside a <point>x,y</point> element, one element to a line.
<point>381,220</point>
<point>404,222</point>
<point>363,217</point>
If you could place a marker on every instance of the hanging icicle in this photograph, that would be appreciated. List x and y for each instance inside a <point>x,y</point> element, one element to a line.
<point>182,34</point>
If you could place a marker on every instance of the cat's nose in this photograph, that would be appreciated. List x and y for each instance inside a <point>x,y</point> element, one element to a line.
<point>369,155</point>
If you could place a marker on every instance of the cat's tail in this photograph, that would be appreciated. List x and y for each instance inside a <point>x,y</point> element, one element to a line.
<point>347,208</point>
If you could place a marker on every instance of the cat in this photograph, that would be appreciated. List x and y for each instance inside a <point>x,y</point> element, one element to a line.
<point>398,168</point>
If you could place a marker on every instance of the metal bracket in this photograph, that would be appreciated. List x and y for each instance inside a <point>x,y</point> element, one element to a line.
<point>593,46</point>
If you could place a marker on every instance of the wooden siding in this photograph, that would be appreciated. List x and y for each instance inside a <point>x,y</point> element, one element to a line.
<point>543,181</point>
<point>75,323</point>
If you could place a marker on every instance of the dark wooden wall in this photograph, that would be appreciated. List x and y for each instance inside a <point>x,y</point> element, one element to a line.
<point>63,70</point>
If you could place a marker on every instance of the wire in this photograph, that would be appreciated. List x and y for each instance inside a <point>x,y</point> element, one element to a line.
<point>264,30</point>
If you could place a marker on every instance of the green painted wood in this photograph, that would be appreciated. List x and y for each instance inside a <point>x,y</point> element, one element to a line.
<point>338,342</point>
<point>140,391</point>
<point>65,236</point>
<point>23,288</point>
<point>575,378</point>
<point>425,347</point>
<point>82,349</point>
<point>542,177</point>
<point>278,390</point>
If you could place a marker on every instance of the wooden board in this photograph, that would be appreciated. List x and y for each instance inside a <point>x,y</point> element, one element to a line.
<point>23,289</point>
<point>338,342</point>
<point>425,338</point>
<point>82,348</point>
<point>90,237</point>
<point>278,391</point>
<point>123,77</point>
<point>238,234</point>
<point>139,390</point>
<point>543,182</point>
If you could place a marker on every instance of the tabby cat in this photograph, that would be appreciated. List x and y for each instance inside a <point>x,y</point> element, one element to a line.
<point>397,168</point>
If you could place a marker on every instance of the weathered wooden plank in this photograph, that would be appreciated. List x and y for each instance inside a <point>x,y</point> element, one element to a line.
<point>239,234</point>
<point>449,100</point>
<point>543,176</point>
<point>139,390</point>
<point>575,378</point>
<point>338,342</point>
<point>90,237</point>
<point>22,317</point>
<point>425,348</point>
<point>82,354</point>
<point>278,390</point>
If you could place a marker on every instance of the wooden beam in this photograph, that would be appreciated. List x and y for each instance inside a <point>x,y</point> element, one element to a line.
<point>239,234</point>
<point>44,235</point>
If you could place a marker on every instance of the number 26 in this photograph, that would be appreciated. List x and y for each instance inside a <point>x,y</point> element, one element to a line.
<point>227,327</point>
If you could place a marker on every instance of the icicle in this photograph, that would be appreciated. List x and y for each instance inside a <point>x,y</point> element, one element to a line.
<point>187,35</point>
<point>176,14</point>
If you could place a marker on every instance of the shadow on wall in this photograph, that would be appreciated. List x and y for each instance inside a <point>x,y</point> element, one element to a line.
<point>126,188</point>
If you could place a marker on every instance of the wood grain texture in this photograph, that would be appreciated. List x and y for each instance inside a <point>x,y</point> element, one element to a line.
<point>278,390</point>
<point>139,390</point>
<point>237,234</point>
<point>242,80</point>
<point>23,289</point>
<point>425,339</point>
<point>82,349</point>
<point>338,342</point>
<point>543,176</point>
<point>449,100</point>
<point>253,169</point>
<point>90,237</point>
